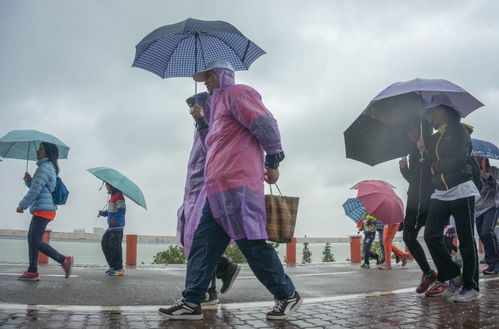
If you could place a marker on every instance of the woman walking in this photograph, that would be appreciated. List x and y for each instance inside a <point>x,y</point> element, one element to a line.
<point>455,193</point>
<point>43,208</point>
<point>486,214</point>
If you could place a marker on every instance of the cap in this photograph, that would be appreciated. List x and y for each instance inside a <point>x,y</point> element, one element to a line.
<point>218,64</point>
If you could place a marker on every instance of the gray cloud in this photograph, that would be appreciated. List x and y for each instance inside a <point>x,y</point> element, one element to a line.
<point>65,69</point>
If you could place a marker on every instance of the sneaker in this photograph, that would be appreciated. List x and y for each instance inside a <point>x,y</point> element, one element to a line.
<point>283,308</point>
<point>365,266</point>
<point>67,266</point>
<point>404,260</point>
<point>483,261</point>
<point>109,270</point>
<point>426,282</point>
<point>491,269</point>
<point>29,276</point>
<point>229,277</point>
<point>452,288</point>
<point>466,295</point>
<point>436,289</point>
<point>181,311</point>
<point>116,273</point>
<point>397,259</point>
<point>385,266</point>
<point>211,298</point>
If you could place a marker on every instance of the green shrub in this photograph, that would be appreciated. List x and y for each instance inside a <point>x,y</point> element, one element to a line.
<point>234,254</point>
<point>307,254</point>
<point>173,255</point>
<point>327,254</point>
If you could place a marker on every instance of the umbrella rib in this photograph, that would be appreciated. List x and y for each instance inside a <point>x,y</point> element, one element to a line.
<point>235,53</point>
<point>174,49</point>
<point>10,147</point>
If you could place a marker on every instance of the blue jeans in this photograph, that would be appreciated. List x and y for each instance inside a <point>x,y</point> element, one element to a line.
<point>35,244</point>
<point>210,242</point>
<point>381,245</point>
<point>368,241</point>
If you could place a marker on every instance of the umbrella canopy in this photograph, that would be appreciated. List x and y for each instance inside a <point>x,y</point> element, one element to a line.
<point>371,141</point>
<point>354,209</point>
<point>379,200</point>
<point>23,144</point>
<point>186,47</point>
<point>484,149</point>
<point>403,100</point>
<point>121,182</point>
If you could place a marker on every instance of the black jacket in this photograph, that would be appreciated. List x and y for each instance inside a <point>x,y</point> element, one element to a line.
<point>418,175</point>
<point>450,154</point>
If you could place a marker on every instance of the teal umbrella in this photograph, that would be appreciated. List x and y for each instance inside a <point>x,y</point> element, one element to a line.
<point>23,144</point>
<point>121,182</point>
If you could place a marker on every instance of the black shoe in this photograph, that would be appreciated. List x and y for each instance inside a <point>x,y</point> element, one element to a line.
<point>229,277</point>
<point>211,298</point>
<point>483,261</point>
<point>283,308</point>
<point>397,260</point>
<point>180,311</point>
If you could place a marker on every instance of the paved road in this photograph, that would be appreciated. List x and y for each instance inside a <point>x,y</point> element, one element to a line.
<point>337,296</point>
<point>156,286</point>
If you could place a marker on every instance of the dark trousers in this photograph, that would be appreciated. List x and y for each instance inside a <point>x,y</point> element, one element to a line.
<point>381,244</point>
<point>220,271</point>
<point>35,244</point>
<point>485,225</point>
<point>463,212</point>
<point>111,246</point>
<point>209,243</point>
<point>413,223</point>
<point>368,241</point>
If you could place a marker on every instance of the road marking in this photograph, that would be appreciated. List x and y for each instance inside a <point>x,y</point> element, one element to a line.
<point>303,275</point>
<point>44,275</point>
<point>232,306</point>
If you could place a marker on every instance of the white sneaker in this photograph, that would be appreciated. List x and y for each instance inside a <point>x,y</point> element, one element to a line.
<point>453,287</point>
<point>283,308</point>
<point>385,266</point>
<point>466,295</point>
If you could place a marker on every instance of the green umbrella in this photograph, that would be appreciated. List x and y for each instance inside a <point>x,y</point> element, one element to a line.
<point>23,144</point>
<point>121,182</point>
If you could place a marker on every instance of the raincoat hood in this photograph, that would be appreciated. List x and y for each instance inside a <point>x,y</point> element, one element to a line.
<point>203,100</point>
<point>226,78</point>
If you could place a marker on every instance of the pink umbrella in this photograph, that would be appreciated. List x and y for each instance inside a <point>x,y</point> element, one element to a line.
<point>380,201</point>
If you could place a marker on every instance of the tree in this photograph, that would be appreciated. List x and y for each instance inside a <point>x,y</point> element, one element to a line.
<point>327,254</point>
<point>307,254</point>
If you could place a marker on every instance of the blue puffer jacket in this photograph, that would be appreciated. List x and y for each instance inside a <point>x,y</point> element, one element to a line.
<point>39,196</point>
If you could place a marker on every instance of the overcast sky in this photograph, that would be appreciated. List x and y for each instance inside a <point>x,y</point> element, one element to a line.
<point>65,69</point>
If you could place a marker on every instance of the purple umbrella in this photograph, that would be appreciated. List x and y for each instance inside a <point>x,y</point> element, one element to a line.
<point>405,100</point>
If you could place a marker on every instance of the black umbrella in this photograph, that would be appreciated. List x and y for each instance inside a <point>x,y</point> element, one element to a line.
<point>371,141</point>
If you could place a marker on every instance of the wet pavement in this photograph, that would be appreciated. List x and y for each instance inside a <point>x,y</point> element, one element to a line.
<point>379,308</point>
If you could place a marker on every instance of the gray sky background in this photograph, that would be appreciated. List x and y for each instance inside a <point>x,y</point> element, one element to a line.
<point>65,69</point>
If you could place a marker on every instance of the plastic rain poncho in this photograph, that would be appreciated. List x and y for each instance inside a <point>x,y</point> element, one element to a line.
<point>241,128</point>
<point>189,212</point>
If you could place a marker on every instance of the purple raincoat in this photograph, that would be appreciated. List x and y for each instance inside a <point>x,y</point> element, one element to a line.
<point>241,128</point>
<point>189,212</point>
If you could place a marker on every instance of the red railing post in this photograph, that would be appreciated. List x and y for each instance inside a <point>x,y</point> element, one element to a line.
<point>291,252</point>
<point>131,249</point>
<point>355,254</point>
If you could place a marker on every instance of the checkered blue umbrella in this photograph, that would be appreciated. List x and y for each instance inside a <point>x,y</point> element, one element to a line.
<point>484,149</point>
<point>354,209</point>
<point>184,48</point>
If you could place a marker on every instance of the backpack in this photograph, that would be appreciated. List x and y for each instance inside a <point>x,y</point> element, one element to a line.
<point>61,193</point>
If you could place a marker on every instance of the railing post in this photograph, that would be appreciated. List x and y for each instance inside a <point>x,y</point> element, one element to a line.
<point>291,252</point>
<point>131,249</point>
<point>355,255</point>
<point>42,258</point>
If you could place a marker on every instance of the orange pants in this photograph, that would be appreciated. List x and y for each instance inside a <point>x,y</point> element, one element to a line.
<point>388,235</point>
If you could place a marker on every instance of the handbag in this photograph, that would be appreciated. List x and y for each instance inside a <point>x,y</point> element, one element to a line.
<point>281,216</point>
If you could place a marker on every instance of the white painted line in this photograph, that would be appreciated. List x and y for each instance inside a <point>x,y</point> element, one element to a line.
<point>232,306</point>
<point>303,275</point>
<point>44,275</point>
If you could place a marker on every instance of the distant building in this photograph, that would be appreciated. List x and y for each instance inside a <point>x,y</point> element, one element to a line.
<point>99,230</point>
<point>79,230</point>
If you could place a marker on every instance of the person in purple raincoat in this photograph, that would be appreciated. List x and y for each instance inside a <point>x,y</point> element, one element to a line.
<point>194,194</point>
<point>241,130</point>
